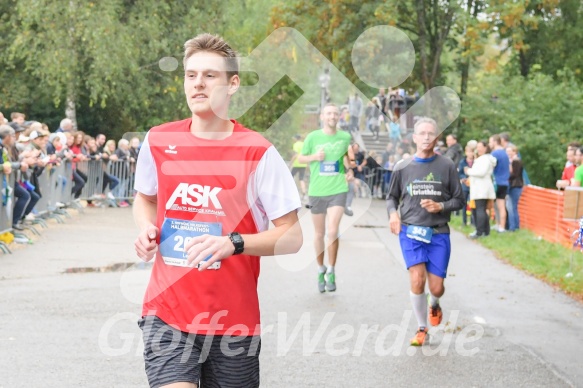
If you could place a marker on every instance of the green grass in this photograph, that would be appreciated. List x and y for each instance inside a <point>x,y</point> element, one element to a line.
<point>542,259</point>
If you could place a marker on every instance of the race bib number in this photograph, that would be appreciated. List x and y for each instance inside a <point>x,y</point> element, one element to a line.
<point>420,233</point>
<point>176,234</point>
<point>329,168</point>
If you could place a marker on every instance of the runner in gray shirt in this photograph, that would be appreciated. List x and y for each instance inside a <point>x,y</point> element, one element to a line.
<point>414,179</point>
<point>424,190</point>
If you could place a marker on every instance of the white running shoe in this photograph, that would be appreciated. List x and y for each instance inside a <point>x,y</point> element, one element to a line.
<point>21,240</point>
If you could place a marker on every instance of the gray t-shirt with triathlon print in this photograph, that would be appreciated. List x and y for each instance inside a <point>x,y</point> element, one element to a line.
<point>414,179</point>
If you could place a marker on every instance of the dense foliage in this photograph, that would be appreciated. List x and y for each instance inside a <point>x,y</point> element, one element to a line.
<point>516,65</point>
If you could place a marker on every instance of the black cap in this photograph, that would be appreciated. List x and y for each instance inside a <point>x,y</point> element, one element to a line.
<point>16,127</point>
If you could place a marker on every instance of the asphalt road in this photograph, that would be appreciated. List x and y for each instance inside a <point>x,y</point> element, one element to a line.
<point>501,327</point>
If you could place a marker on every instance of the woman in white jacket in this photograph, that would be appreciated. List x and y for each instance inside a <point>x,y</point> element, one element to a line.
<point>481,187</point>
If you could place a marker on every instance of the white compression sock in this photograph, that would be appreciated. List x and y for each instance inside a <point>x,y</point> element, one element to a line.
<point>330,269</point>
<point>434,301</point>
<point>419,303</point>
<point>322,269</point>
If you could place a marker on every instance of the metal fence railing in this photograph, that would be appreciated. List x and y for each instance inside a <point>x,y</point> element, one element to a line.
<point>6,207</point>
<point>107,183</point>
<point>376,181</point>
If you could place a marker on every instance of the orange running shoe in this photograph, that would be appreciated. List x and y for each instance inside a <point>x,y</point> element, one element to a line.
<point>435,315</point>
<point>420,337</point>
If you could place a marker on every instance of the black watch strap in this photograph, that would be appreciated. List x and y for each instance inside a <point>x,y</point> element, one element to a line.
<point>238,243</point>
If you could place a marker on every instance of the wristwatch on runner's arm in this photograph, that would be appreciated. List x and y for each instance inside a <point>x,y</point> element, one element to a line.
<point>238,242</point>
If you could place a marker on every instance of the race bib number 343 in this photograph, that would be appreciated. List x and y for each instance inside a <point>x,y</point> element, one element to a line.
<point>176,234</point>
<point>420,233</point>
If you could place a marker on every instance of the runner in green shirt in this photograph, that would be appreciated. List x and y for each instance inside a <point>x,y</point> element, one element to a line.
<point>329,154</point>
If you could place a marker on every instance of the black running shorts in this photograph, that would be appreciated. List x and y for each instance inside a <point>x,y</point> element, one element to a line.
<point>173,356</point>
<point>299,170</point>
<point>501,192</point>
<point>320,205</point>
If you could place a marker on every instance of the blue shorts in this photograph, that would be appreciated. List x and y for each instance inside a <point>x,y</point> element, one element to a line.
<point>435,255</point>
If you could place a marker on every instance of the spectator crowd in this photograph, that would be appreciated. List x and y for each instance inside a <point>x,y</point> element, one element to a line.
<point>103,167</point>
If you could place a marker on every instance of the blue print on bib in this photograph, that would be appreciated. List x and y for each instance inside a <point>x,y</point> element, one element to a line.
<point>420,233</point>
<point>175,234</point>
<point>329,168</point>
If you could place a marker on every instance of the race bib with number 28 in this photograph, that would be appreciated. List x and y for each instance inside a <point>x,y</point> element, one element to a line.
<point>175,234</point>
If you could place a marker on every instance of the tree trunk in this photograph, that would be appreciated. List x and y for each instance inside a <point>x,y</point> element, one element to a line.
<point>70,109</point>
<point>422,43</point>
<point>524,67</point>
<point>465,67</point>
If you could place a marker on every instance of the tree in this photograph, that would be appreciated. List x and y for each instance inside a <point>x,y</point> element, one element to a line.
<point>100,58</point>
<point>472,36</point>
<point>76,39</point>
<point>427,22</point>
<point>536,30</point>
<point>526,109</point>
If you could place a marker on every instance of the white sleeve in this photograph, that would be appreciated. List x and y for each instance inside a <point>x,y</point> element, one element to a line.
<point>276,189</point>
<point>146,174</point>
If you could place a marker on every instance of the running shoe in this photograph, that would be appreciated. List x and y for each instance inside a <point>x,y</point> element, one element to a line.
<point>348,211</point>
<point>420,337</point>
<point>331,282</point>
<point>321,282</point>
<point>22,240</point>
<point>435,315</point>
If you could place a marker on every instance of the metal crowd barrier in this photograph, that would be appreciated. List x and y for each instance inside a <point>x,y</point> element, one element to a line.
<point>97,188</point>
<point>377,180</point>
<point>93,170</point>
<point>125,172</point>
<point>65,195</point>
<point>55,184</point>
<point>6,206</point>
<point>42,206</point>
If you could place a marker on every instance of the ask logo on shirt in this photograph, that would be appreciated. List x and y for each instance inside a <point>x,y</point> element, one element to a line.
<point>196,198</point>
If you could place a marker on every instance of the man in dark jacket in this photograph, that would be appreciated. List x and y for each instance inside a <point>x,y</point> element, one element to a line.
<point>454,151</point>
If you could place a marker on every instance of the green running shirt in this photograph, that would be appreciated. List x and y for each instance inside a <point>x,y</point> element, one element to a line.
<point>327,177</point>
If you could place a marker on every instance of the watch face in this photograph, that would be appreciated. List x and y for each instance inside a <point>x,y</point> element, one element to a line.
<point>237,241</point>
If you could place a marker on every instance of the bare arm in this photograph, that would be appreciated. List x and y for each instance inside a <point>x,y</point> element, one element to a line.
<point>393,199</point>
<point>144,210</point>
<point>352,161</point>
<point>285,238</point>
<point>318,156</point>
<point>293,159</point>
